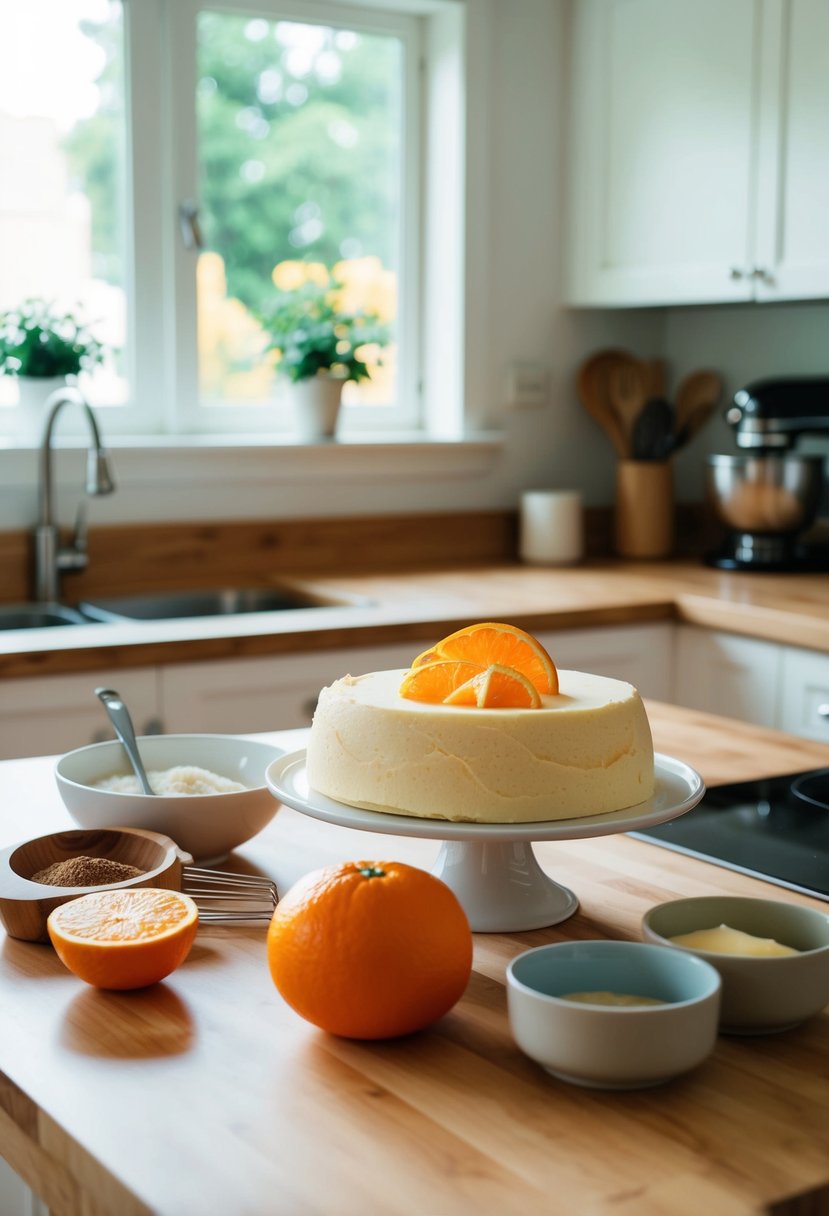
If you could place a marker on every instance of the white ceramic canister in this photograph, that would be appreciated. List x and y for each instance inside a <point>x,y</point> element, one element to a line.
<point>551,527</point>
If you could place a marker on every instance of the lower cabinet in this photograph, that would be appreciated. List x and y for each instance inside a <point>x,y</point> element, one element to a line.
<point>54,714</point>
<point>767,683</point>
<point>725,674</point>
<point>247,695</point>
<point>16,1198</point>
<point>640,654</point>
<point>51,714</point>
<point>738,677</point>
<point>804,694</point>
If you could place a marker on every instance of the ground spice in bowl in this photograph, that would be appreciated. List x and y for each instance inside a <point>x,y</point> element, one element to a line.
<point>86,872</point>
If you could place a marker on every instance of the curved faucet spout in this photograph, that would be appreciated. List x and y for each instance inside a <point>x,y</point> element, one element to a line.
<point>99,479</point>
<point>50,558</point>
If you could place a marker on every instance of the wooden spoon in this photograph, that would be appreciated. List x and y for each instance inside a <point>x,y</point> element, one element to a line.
<point>698,389</point>
<point>628,395</point>
<point>592,388</point>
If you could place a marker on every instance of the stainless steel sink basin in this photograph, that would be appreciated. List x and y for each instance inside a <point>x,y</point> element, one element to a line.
<point>38,616</point>
<point>217,602</point>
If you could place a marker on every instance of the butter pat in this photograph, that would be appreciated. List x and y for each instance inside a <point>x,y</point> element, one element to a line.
<point>725,940</point>
<point>611,998</point>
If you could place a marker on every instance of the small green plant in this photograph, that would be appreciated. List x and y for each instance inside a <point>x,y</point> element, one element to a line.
<point>311,333</point>
<point>39,340</point>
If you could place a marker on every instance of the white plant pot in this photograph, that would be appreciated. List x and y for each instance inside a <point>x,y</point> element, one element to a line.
<point>315,404</point>
<point>33,392</point>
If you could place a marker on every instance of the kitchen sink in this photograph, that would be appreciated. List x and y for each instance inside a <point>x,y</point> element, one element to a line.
<point>225,601</point>
<point>38,616</point>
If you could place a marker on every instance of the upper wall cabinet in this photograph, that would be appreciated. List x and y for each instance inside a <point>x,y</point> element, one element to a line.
<point>698,152</point>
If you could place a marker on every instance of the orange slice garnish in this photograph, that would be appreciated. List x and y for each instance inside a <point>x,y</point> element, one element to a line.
<point>433,682</point>
<point>496,688</point>
<point>493,643</point>
<point>127,938</point>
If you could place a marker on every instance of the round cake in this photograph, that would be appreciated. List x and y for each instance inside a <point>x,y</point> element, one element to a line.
<point>585,751</point>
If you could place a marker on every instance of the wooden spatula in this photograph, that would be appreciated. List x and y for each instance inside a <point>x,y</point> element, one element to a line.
<point>703,388</point>
<point>593,390</point>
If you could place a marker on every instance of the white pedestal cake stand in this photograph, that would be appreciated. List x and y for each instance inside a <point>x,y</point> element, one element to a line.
<point>491,867</point>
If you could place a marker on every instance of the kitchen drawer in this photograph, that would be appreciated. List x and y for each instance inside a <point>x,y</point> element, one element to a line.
<point>248,695</point>
<point>640,654</point>
<point>804,704</point>
<point>55,714</point>
<point>722,673</point>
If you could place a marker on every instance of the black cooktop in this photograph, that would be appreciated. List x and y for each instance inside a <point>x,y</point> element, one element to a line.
<point>762,828</point>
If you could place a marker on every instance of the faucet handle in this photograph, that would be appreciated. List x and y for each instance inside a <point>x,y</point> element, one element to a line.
<point>74,556</point>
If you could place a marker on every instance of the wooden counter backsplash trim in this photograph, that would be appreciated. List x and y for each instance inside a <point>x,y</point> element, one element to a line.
<point>135,558</point>
<point>130,559</point>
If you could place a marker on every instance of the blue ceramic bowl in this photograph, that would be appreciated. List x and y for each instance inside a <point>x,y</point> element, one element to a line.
<point>613,1046</point>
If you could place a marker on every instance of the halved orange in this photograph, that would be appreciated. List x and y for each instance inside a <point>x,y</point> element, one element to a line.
<point>127,938</point>
<point>503,645</point>
<point>496,688</point>
<point>433,682</point>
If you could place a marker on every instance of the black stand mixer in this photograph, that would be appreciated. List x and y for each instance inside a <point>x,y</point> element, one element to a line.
<point>768,496</point>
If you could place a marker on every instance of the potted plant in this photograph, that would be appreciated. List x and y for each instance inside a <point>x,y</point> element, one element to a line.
<point>40,345</point>
<point>319,343</point>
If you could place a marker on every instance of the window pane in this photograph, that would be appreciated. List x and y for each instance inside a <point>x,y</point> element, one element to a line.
<point>300,144</point>
<point>62,141</point>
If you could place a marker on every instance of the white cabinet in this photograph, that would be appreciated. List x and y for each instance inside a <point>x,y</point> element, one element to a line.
<point>640,654</point>
<point>279,693</point>
<point>54,714</point>
<point>697,157</point>
<point>804,703</point>
<point>722,673</point>
<point>762,682</point>
<point>57,713</point>
<point>16,1198</point>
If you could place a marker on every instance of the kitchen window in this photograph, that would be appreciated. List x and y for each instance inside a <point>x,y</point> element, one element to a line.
<point>175,160</point>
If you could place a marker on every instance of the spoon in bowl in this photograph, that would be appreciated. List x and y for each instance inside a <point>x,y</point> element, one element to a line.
<point>120,718</point>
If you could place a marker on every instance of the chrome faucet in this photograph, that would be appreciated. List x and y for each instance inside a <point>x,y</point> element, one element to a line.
<point>51,558</point>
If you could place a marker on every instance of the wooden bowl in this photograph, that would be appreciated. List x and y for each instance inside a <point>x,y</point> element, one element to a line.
<point>25,905</point>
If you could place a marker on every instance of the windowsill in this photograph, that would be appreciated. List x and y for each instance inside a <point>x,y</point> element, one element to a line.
<point>155,458</point>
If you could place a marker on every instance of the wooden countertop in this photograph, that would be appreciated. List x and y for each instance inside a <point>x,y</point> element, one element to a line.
<point>206,1094</point>
<point>421,604</point>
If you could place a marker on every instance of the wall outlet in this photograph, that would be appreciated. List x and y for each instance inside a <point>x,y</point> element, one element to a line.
<point>528,385</point>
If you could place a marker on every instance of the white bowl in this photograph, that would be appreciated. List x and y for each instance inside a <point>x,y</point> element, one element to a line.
<point>206,825</point>
<point>613,1046</point>
<point>760,995</point>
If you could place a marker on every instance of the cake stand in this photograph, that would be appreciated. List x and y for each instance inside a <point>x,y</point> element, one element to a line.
<point>491,867</point>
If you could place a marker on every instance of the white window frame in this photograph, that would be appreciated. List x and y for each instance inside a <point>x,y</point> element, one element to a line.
<point>181,73</point>
<point>452,149</point>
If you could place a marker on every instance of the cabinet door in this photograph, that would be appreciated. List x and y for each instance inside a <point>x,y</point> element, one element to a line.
<point>804,704</point>
<point>793,173</point>
<point>53,714</point>
<point>725,674</point>
<point>640,654</point>
<point>246,695</point>
<point>661,150</point>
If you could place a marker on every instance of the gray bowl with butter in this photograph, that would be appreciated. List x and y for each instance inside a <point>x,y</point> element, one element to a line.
<point>762,991</point>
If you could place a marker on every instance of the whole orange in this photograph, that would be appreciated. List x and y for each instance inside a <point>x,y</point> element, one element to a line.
<point>370,949</point>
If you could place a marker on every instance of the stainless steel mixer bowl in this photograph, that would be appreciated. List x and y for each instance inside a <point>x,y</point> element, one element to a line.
<point>766,494</point>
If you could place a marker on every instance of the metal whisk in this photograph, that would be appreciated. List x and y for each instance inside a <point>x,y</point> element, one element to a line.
<point>227,898</point>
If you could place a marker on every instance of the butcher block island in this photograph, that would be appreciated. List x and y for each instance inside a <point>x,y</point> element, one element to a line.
<point>206,1094</point>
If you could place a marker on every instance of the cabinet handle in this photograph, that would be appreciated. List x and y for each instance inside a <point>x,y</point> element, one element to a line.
<point>764,275</point>
<point>736,273</point>
<point>153,726</point>
<point>823,710</point>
